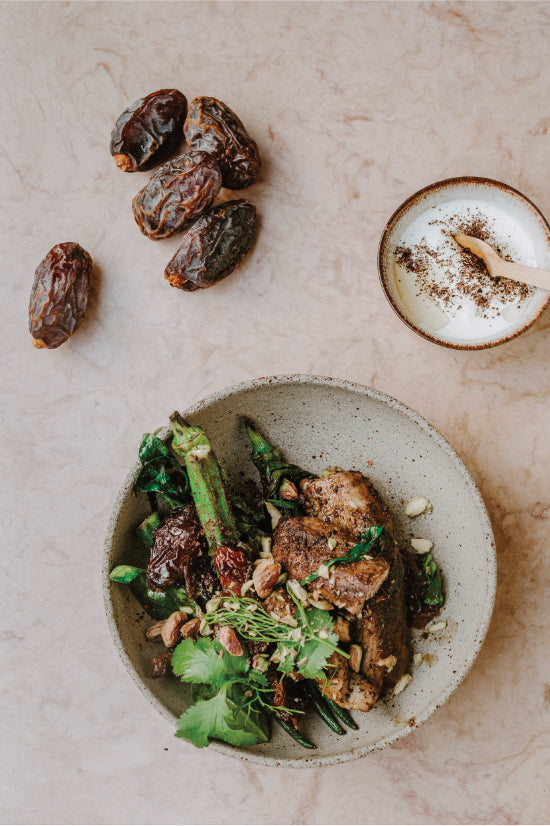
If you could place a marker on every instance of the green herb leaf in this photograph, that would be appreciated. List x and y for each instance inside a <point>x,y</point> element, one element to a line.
<point>434,595</point>
<point>158,605</point>
<point>360,550</point>
<point>227,716</point>
<point>309,658</point>
<point>287,508</point>
<point>206,661</point>
<point>151,448</point>
<point>124,574</point>
<point>161,473</point>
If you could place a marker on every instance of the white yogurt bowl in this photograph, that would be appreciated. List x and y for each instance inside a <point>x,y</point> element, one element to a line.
<point>431,282</point>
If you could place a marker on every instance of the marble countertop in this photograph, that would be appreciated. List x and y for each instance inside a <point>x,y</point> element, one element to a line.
<point>354,106</point>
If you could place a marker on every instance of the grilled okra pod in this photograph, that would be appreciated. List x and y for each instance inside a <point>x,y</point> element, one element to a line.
<point>273,468</point>
<point>191,444</point>
<point>146,529</point>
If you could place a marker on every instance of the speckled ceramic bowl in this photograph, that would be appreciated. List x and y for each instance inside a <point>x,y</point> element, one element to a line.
<point>520,228</point>
<point>319,422</point>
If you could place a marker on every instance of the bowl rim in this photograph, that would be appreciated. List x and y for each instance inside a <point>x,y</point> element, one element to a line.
<point>466,664</point>
<point>439,185</point>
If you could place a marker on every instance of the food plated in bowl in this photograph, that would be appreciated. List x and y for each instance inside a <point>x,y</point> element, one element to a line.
<point>318,423</point>
<point>443,291</point>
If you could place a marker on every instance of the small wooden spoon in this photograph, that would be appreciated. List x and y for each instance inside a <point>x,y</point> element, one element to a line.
<point>499,268</point>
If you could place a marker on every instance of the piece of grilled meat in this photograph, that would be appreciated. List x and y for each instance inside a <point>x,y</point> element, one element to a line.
<point>348,500</point>
<point>179,555</point>
<point>345,498</point>
<point>301,545</point>
<point>345,687</point>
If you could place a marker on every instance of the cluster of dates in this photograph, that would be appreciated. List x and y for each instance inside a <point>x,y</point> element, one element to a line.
<point>178,198</point>
<point>181,193</point>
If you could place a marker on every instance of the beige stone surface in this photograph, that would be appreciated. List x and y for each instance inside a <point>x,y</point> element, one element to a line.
<point>354,106</point>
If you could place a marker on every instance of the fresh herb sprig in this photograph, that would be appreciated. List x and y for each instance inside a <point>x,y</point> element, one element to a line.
<point>359,551</point>
<point>232,700</point>
<point>304,648</point>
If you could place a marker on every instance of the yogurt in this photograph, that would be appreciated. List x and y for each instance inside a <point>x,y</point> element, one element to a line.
<point>437,288</point>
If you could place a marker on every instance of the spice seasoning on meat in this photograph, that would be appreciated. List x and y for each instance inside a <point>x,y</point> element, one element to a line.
<point>448,273</point>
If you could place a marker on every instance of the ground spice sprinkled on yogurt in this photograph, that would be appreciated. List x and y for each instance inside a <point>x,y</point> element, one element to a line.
<point>465,276</point>
<point>444,287</point>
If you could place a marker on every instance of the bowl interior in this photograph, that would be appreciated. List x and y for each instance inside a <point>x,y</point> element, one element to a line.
<point>520,225</point>
<point>319,423</point>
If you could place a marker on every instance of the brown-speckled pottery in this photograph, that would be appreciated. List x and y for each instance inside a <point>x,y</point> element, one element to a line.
<point>476,191</point>
<point>319,422</point>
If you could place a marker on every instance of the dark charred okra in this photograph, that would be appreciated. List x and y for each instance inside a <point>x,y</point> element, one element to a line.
<point>59,294</point>
<point>213,127</point>
<point>179,191</point>
<point>148,131</point>
<point>213,246</point>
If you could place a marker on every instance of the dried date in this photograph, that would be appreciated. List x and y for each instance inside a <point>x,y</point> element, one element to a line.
<point>177,545</point>
<point>178,192</point>
<point>213,246</point>
<point>59,295</point>
<point>233,568</point>
<point>213,127</point>
<point>148,131</point>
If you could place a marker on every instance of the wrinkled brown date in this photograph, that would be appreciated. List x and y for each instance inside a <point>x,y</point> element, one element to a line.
<point>148,131</point>
<point>213,246</point>
<point>233,568</point>
<point>59,295</point>
<point>179,191</point>
<point>213,127</point>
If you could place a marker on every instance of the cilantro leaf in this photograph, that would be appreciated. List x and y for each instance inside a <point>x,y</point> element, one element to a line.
<point>227,717</point>
<point>317,651</point>
<point>287,654</point>
<point>309,655</point>
<point>315,655</point>
<point>206,661</point>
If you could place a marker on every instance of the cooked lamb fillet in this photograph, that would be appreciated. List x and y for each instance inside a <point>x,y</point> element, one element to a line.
<point>179,555</point>
<point>382,629</point>
<point>348,500</point>
<point>301,545</point>
<point>348,689</point>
